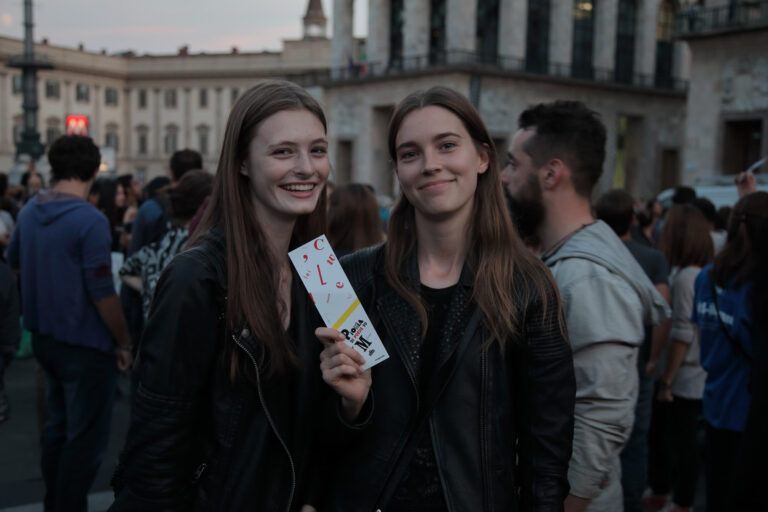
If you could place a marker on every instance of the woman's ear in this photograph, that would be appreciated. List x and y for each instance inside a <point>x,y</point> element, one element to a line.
<point>244,169</point>
<point>485,159</point>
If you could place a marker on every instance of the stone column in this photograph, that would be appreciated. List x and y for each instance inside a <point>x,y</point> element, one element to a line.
<point>377,42</point>
<point>127,124</point>
<point>681,61</point>
<point>343,41</point>
<point>606,18</point>
<point>187,118</point>
<point>96,125</point>
<point>561,35</point>
<point>67,99</point>
<point>416,31</point>
<point>156,125</point>
<point>217,119</point>
<point>645,42</point>
<point>5,145</point>
<point>460,26</point>
<point>513,28</point>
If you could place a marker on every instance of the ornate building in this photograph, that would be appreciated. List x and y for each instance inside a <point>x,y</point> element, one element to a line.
<point>619,56</point>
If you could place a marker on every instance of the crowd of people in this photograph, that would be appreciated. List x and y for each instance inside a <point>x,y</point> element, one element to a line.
<point>547,351</point>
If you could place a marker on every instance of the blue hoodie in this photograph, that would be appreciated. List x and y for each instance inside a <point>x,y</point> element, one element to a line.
<point>61,244</point>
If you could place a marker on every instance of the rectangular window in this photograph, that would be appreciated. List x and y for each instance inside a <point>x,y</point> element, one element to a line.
<point>52,89</point>
<point>142,98</point>
<point>51,134</point>
<point>111,140</point>
<point>82,93</point>
<point>142,143</point>
<point>203,140</point>
<point>170,142</point>
<point>110,96</point>
<point>203,98</point>
<point>18,87</point>
<point>141,174</point>
<point>170,98</point>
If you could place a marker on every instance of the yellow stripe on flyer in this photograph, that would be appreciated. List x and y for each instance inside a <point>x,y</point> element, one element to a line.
<point>346,314</point>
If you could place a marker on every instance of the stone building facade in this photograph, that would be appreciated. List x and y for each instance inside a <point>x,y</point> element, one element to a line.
<point>618,56</point>
<point>727,125</point>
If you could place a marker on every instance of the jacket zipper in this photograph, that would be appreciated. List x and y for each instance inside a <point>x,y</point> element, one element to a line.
<point>269,417</point>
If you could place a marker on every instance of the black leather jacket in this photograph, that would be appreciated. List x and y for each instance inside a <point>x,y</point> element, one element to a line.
<point>198,441</point>
<point>501,424</point>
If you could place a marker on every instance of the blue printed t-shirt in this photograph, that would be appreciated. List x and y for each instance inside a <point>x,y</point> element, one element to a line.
<point>726,395</point>
<point>61,246</point>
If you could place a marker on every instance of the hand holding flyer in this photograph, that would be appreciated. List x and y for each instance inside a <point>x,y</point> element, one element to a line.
<point>335,299</point>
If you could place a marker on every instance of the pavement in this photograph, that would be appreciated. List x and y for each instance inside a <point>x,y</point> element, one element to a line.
<point>21,484</point>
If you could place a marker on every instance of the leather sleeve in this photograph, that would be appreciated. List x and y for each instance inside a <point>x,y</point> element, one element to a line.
<point>547,390</point>
<point>176,358</point>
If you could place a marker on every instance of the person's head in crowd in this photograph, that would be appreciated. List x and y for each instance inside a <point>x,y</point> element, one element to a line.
<point>685,238</point>
<point>616,208</point>
<point>270,178</point>
<point>683,195</point>
<point>34,184</point>
<point>187,195</point>
<point>647,213</point>
<point>353,219</point>
<point>74,157</point>
<point>721,221</point>
<point>436,138</point>
<point>555,161</point>
<point>106,195</point>
<point>131,188</point>
<point>707,208</point>
<point>184,161</point>
<point>155,185</point>
<point>744,256</point>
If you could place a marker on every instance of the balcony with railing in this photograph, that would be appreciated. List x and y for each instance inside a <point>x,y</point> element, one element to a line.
<point>696,21</point>
<point>474,62</point>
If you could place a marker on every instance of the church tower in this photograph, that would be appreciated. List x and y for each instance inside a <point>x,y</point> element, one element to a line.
<point>315,21</point>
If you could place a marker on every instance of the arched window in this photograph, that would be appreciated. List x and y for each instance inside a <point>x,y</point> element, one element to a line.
<point>665,32</point>
<point>437,31</point>
<point>487,30</point>
<point>624,64</point>
<point>583,38</point>
<point>537,37</point>
<point>396,19</point>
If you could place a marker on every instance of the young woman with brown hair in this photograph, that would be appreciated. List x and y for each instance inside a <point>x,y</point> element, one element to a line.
<point>474,408</point>
<point>353,219</point>
<point>228,375</point>
<point>673,455</point>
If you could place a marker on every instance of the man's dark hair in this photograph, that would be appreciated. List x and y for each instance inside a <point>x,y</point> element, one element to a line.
<point>706,207</point>
<point>723,215</point>
<point>155,184</point>
<point>183,161</point>
<point>571,132</point>
<point>683,195</point>
<point>616,208</point>
<point>74,157</point>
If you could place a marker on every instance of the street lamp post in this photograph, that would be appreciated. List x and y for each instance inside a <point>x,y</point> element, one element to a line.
<point>30,138</point>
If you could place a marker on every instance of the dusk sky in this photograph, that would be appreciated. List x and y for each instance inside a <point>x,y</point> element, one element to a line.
<point>162,26</point>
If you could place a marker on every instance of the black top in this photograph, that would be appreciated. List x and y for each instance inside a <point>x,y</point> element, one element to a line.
<point>420,488</point>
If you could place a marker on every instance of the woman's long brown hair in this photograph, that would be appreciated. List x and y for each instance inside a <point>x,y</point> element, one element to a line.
<point>497,257</point>
<point>353,218</point>
<point>252,282</point>
<point>685,238</point>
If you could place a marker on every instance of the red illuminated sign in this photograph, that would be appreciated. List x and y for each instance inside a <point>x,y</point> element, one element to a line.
<point>77,125</point>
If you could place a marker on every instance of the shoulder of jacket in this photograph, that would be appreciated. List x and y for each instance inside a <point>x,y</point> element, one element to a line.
<point>361,265</point>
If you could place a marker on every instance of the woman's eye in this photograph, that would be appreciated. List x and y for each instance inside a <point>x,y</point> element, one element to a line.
<point>281,152</point>
<point>319,150</point>
<point>447,145</point>
<point>407,155</point>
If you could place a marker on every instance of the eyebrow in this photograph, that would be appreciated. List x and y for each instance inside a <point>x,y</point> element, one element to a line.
<point>294,144</point>
<point>436,137</point>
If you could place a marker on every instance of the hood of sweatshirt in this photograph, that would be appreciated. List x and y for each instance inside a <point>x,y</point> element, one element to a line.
<point>598,243</point>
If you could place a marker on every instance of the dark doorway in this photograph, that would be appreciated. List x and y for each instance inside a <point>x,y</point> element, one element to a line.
<point>742,145</point>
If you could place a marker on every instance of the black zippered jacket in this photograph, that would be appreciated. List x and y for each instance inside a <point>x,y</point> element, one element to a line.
<point>501,425</point>
<point>198,441</point>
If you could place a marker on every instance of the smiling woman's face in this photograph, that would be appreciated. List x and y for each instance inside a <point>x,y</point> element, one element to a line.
<point>437,162</point>
<point>287,164</point>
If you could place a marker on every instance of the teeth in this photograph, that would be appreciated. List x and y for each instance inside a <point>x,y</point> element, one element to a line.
<point>299,188</point>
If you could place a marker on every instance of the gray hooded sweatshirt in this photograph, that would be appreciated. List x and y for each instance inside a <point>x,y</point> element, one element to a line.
<point>608,299</point>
